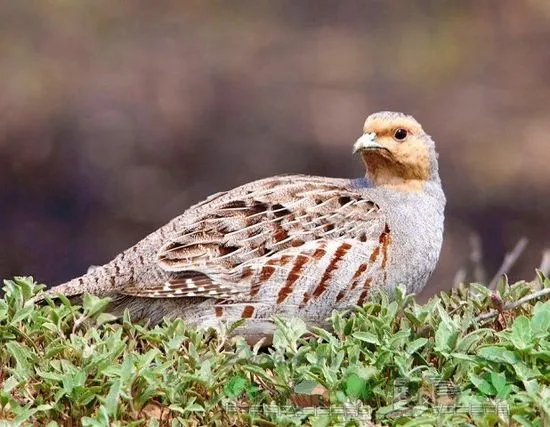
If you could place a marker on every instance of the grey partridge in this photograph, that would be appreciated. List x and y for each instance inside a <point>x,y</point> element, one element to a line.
<point>295,245</point>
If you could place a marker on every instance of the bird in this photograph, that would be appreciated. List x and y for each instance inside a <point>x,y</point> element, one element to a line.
<point>292,246</point>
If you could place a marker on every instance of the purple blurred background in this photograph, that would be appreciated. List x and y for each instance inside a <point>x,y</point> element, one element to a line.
<point>116,116</point>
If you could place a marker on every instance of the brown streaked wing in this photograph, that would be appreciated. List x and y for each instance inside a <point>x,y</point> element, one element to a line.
<point>198,285</point>
<point>263,221</point>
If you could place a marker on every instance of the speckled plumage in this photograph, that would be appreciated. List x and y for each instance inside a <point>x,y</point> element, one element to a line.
<point>292,245</point>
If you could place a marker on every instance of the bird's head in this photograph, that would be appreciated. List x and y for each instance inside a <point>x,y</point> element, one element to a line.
<point>397,152</point>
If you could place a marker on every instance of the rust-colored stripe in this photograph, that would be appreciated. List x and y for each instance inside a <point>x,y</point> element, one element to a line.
<point>374,254</point>
<point>354,281</point>
<point>357,275</point>
<point>267,271</point>
<point>338,255</point>
<point>340,295</point>
<point>294,275</point>
<point>285,259</point>
<point>247,312</point>
<point>365,292</point>
<point>296,242</point>
<point>280,234</point>
<point>384,234</point>
<point>319,253</point>
<point>307,297</point>
<point>385,241</point>
<point>247,272</point>
<point>219,311</point>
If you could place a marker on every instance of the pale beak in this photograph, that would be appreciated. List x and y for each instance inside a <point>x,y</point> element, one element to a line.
<point>367,141</point>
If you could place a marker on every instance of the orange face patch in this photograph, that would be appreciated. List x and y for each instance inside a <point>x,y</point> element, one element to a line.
<point>402,164</point>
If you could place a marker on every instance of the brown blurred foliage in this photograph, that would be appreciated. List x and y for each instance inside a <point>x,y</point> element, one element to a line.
<point>116,116</point>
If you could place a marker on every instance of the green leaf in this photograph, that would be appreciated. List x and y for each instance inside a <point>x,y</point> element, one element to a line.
<point>464,357</point>
<point>482,385</point>
<point>540,322</point>
<point>524,372</point>
<point>235,386</point>
<point>105,318</point>
<point>532,387</point>
<point>443,336</point>
<point>521,335</point>
<point>468,341</point>
<point>348,328</point>
<point>366,337</point>
<point>498,354</point>
<point>94,304</point>
<point>22,356</point>
<point>355,386</point>
<point>498,381</point>
<point>416,345</point>
<point>392,310</point>
<point>112,399</point>
<point>288,332</point>
<point>22,314</point>
<point>306,386</point>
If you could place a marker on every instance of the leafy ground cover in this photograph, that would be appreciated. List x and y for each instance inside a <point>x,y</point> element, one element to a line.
<point>468,357</point>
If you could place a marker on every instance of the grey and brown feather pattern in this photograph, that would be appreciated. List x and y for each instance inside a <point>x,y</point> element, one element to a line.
<point>291,245</point>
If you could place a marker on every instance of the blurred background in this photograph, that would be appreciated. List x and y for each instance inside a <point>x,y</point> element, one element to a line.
<point>116,116</point>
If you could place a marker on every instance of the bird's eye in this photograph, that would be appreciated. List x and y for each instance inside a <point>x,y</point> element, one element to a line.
<point>400,134</point>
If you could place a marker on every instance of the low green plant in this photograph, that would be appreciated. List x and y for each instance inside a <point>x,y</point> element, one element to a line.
<point>396,362</point>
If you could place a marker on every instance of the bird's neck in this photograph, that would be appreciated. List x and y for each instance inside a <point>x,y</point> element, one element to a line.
<point>395,182</point>
<point>386,173</point>
<point>393,179</point>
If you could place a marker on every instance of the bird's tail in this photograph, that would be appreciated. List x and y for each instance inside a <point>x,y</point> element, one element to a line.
<point>96,281</point>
